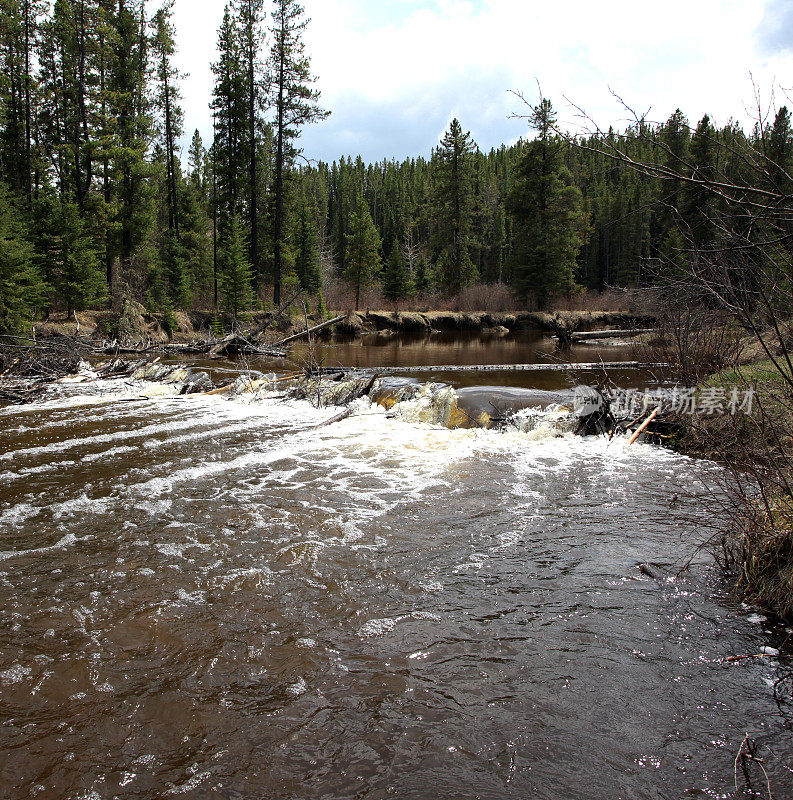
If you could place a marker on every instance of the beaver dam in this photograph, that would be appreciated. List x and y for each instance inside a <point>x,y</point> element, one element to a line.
<point>230,580</point>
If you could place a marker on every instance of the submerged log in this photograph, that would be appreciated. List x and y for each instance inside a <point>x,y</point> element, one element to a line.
<point>564,367</point>
<point>342,415</point>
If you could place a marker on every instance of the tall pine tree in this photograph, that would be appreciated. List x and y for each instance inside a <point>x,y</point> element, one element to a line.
<point>295,104</point>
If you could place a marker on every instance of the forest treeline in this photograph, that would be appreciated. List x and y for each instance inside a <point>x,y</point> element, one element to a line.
<point>98,203</point>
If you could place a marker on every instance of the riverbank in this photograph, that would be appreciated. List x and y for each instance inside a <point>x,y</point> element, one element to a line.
<point>358,324</point>
<point>756,445</point>
<point>132,324</point>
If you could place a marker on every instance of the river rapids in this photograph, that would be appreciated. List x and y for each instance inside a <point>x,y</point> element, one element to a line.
<point>204,597</point>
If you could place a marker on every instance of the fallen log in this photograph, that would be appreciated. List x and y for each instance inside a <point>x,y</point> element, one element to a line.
<point>584,336</point>
<point>231,345</point>
<point>347,412</point>
<point>316,329</point>
<point>563,367</point>
<point>646,424</point>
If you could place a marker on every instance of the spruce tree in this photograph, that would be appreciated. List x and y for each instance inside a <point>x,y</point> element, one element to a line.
<point>363,249</point>
<point>548,214</point>
<point>21,287</point>
<point>696,204</point>
<point>295,105</point>
<point>236,272</point>
<point>779,152</point>
<point>454,198</point>
<point>307,260</point>
<point>66,253</point>
<point>424,279</point>
<point>397,283</point>
<point>196,159</point>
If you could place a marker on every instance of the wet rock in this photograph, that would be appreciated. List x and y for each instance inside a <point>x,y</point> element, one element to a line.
<point>329,392</point>
<point>178,375</point>
<point>196,383</point>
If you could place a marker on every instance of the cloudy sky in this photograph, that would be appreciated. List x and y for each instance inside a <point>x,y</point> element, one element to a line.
<point>395,72</point>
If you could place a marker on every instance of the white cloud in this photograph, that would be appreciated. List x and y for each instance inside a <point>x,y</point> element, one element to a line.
<point>421,61</point>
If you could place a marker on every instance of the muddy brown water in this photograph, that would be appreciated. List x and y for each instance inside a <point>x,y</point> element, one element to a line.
<point>204,598</point>
<point>449,349</point>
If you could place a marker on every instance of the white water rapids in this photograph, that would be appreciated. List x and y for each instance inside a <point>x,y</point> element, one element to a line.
<point>207,597</point>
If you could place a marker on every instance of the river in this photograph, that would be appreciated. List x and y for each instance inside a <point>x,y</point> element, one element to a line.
<point>207,598</point>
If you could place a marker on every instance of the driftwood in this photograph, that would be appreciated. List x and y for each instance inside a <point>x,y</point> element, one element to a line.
<point>566,367</point>
<point>347,412</point>
<point>21,393</point>
<point>643,427</point>
<point>309,331</point>
<point>27,367</point>
<point>584,336</point>
<point>236,344</point>
<point>231,345</point>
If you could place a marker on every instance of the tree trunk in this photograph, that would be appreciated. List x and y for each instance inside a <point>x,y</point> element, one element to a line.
<point>254,210</point>
<point>279,182</point>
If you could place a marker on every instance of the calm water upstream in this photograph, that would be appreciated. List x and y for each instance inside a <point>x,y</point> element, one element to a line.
<point>204,598</point>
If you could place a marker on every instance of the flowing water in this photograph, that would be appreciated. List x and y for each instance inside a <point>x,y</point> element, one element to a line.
<point>208,598</point>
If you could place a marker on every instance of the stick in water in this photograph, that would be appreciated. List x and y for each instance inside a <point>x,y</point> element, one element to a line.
<point>645,425</point>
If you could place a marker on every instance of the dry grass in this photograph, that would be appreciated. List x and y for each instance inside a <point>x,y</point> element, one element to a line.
<point>494,298</point>
<point>481,297</point>
<point>628,301</point>
<point>764,555</point>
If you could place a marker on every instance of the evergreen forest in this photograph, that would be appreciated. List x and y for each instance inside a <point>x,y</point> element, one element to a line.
<point>99,203</point>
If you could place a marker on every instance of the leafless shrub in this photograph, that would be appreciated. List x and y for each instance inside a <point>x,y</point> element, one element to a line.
<point>727,299</point>
<point>628,301</point>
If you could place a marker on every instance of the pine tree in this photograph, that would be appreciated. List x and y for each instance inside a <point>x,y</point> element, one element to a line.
<point>548,214</point>
<point>167,101</point>
<point>229,106</point>
<point>127,92</point>
<point>363,249</point>
<point>397,283</point>
<point>236,272</point>
<point>13,166</point>
<point>250,17</point>
<point>454,206</point>
<point>307,261</point>
<point>66,253</point>
<point>295,103</point>
<point>21,286</point>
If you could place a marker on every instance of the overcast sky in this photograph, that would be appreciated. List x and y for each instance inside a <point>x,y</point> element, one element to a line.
<point>394,72</point>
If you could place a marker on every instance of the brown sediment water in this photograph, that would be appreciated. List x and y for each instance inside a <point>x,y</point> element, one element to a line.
<point>203,597</point>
